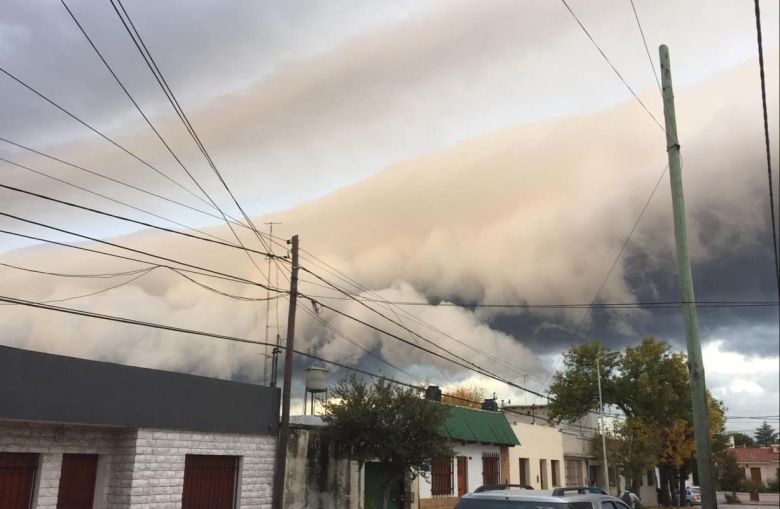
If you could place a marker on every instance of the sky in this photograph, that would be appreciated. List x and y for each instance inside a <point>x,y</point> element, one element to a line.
<point>450,152</point>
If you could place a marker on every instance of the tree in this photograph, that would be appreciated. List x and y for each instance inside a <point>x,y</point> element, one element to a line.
<point>765,435</point>
<point>632,448</point>
<point>465,395</point>
<point>384,422</point>
<point>648,382</point>
<point>742,440</point>
<point>728,475</point>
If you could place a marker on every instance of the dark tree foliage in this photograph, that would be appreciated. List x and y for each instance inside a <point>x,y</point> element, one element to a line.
<point>386,423</point>
<point>742,440</point>
<point>765,435</point>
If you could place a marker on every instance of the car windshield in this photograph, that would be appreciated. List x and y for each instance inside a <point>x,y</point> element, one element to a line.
<point>519,504</point>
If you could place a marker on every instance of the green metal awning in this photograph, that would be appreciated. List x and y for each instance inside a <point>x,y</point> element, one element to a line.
<point>481,426</point>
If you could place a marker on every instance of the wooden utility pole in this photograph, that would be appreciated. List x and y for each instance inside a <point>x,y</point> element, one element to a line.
<point>284,425</point>
<point>701,425</point>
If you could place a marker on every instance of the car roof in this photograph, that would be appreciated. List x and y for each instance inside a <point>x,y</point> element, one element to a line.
<point>536,496</point>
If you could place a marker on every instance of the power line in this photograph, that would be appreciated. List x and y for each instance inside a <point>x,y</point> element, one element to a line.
<point>114,200</point>
<point>112,179</point>
<point>614,264</point>
<point>766,144</point>
<point>199,270</point>
<point>91,294</point>
<point>98,132</point>
<point>474,367</point>
<point>159,136</point>
<point>135,221</point>
<point>604,55</point>
<point>103,275</point>
<point>160,78</point>
<point>172,328</point>
<point>600,305</point>
<point>386,303</point>
<point>644,42</point>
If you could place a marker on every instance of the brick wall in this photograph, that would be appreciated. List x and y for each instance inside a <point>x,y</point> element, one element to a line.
<point>139,468</point>
<point>438,502</point>
<point>504,453</point>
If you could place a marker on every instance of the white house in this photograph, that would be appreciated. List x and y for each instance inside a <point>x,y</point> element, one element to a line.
<point>79,433</point>
<point>481,440</point>
<point>760,464</point>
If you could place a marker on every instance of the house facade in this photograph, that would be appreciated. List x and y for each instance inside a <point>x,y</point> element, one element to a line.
<point>79,433</point>
<point>481,440</point>
<point>760,464</point>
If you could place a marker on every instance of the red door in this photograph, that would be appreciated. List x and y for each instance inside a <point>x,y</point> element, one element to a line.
<point>463,476</point>
<point>77,481</point>
<point>209,482</point>
<point>17,477</point>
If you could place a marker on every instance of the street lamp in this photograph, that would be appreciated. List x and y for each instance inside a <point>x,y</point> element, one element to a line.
<point>601,419</point>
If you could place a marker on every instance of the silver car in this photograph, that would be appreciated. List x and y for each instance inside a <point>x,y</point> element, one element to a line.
<point>512,498</point>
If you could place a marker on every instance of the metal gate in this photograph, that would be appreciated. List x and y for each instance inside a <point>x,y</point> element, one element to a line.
<point>491,468</point>
<point>77,481</point>
<point>17,478</point>
<point>209,482</point>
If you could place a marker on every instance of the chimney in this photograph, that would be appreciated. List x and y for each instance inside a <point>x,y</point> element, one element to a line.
<point>433,393</point>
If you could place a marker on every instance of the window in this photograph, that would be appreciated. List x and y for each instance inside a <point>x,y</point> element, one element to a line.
<point>491,468</point>
<point>17,477</point>
<point>525,477</point>
<point>209,482</point>
<point>441,477</point>
<point>574,473</point>
<point>77,481</point>
<point>473,503</point>
<point>555,465</point>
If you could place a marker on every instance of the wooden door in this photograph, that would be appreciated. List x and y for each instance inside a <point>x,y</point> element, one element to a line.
<point>17,478</point>
<point>543,473</point>
<point>524,480</point>
<point>77,481</point>
<point>209,482</point>
<point>755,476</point>
<point>463,475</point>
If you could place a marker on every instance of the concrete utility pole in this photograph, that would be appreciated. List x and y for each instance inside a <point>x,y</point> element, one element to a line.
<point>281,443</point>
<point>701,425</point>
<point>603,430</point>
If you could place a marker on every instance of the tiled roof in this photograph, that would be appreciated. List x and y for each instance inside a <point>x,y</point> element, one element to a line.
<point>482,426</point>
<point>756,455</point>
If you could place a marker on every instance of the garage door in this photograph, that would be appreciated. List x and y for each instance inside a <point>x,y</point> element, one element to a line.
<point>209,482</point>
<point>17,478</point>
<point>77,481</point>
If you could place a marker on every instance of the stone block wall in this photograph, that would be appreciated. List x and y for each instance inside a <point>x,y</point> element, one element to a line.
<point>139,467</point>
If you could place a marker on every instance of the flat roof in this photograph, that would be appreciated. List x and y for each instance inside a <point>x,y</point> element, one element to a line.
<point>43,387</point>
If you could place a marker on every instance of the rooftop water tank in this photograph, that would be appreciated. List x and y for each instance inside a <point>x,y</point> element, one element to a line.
<point>316,380</point>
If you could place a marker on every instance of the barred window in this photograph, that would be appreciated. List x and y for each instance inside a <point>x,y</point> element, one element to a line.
<point>441,477</point>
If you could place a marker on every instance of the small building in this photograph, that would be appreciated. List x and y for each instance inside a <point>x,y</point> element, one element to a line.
<point>77,433</point>
<point>760,464</point>
<point>481,440</point>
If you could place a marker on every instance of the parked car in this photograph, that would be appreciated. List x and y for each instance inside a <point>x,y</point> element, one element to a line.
<point>501,497</point>
<point>692,496</point>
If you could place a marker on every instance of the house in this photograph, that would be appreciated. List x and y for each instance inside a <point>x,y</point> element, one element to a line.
<point>80,433</point>
<point>481,439</point>
<point>760,464</point>
<point>563,454</point>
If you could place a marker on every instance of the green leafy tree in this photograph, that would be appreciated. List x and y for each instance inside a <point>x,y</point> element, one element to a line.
<point>742,440</point>
<point>765,435</point>
<point>647,382</point>
<point>632,447</point>
<point>728,475</point>
<point>386,423</point>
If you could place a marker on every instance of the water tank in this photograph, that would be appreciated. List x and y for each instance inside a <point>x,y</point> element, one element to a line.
<point>316,380</point>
